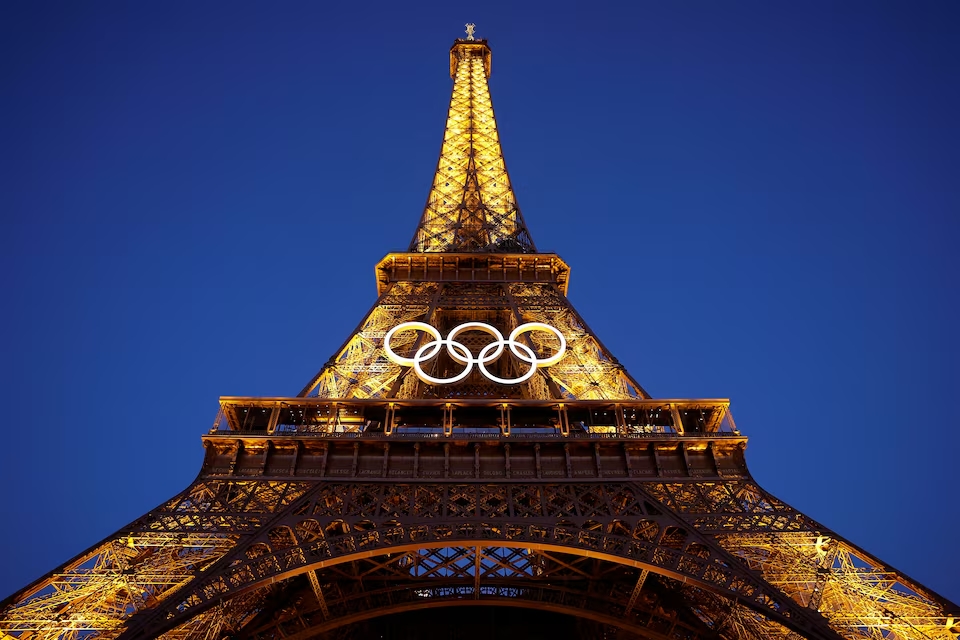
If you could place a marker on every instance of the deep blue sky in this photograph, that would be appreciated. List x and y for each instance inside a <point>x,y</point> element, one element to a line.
<point>759,200</point>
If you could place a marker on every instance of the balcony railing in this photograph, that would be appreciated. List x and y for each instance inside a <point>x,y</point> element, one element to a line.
<point>466,434</point>
<point>475,419</point>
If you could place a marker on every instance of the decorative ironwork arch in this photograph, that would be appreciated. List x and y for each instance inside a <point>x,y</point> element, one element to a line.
<point>558,586</point>
<point>677,553</point>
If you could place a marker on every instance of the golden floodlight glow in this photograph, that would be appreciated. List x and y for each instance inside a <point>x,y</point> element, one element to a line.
<point>460,353</point>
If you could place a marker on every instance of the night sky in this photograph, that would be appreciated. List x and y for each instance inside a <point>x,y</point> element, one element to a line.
<point>758,200</point>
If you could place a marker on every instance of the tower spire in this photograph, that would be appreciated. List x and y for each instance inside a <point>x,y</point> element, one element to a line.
<point>471,206</point>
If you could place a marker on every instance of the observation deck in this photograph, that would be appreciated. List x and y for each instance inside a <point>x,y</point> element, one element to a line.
<point>547,268</point>
<point>489,439</point>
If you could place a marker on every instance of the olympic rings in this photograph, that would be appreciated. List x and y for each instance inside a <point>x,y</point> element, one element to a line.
<point>461,354</point>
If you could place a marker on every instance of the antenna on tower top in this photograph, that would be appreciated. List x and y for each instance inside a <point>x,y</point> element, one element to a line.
<point>470,27</point>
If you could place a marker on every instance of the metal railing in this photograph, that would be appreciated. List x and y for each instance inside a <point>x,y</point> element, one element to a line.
<point>516,434</point>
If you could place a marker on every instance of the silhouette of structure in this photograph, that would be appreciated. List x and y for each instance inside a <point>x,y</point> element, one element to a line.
<point>473,443</point>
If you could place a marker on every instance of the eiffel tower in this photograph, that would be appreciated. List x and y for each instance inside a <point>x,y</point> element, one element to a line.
<point>435,464</point>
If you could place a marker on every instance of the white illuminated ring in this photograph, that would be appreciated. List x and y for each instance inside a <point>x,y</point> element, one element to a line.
<point>422,326</point>
<point>461,354</point>
<point>537,326</point>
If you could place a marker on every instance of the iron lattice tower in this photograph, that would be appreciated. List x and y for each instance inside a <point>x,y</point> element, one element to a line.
<point>378,490</point>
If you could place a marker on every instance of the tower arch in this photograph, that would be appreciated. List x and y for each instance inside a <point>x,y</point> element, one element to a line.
<point>553,578</point>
